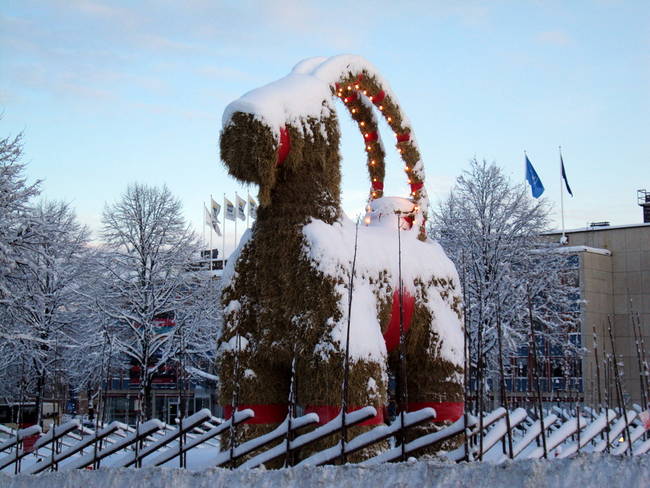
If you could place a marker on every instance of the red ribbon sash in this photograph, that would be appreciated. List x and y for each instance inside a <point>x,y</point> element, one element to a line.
<point>284,146</point>
<point>391,336</point>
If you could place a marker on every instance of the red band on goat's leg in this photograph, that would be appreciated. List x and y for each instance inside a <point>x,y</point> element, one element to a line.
<point>326,413</point>
<point>445,411</point>
<point>264,414</point>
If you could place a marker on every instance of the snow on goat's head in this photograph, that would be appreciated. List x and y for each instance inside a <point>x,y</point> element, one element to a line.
<point>268,127</point>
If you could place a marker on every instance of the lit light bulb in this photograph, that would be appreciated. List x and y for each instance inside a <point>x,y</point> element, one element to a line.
<point>362,123</point>
<point>390,119</point>
<point>365,92</point>
<point>354,110</point>
<point>356,86</point>
<point>367,220</point>
<point>349,87</point>
<point>368,148</point>
<point>381,107</point>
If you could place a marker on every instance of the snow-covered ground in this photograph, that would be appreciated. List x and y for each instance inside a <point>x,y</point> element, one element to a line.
<point>593,470</point>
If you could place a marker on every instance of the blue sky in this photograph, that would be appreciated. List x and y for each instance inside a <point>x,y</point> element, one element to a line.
<point>108,93</point>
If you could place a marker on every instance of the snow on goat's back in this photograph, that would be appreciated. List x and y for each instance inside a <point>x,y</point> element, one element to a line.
<point>331,250</point>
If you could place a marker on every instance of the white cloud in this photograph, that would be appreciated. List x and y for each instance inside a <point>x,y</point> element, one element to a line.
<point>558,38</point>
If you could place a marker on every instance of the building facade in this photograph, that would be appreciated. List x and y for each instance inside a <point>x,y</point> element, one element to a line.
<point>614,277</point>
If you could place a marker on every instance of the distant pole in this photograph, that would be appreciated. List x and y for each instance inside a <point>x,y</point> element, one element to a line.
<point>235,401</point>
<point>578,421</point>
<point>291,411</point>
<point>236,218</point>
<point>346,369</point>
<point>504,395</point>
<point>210,231</point>
<point>563,240</point>
<point>638,357</point>
<point>203,235</point>
<point>223,256</point>
<point>465,357</point>
<point>607,391</point>
<point>643,357</point>
<point>638,337</point>
<point>248,213</point>
<point>479,378</point>
<point>600,398</point>
<point>619,387</point>
<point>644,366</point>
<point>402,352</point>
<point>536,373</point>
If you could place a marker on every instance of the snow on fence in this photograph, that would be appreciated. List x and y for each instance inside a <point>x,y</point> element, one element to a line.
<point>78,447</point>
<point>53,436</point>
<point>71,446</point>
<point>19,436</point>
<point>239,417</point>
<point>141,432</point>
<point>333,426</point>
<point>368,438</point>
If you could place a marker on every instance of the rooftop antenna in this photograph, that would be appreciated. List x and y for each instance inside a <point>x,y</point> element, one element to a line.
<point>643,199</point>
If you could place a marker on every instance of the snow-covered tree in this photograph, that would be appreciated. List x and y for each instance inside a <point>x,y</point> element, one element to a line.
<point>201,321</point>
<point>149,293</point>
<point>15,194</point>
<point>43,315</point>
<point>92,358</point>
<point>492,230</point>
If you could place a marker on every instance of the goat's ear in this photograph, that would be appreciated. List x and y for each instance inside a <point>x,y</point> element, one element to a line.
<point>249,151</point>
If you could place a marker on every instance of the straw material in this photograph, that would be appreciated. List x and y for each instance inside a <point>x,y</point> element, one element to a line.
<point>282,306</point>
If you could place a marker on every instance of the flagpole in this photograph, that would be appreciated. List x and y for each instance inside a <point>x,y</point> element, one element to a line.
<point>203,237</point>
<point>210,231</point>
<point>225,209</point>
<point>563,239</point>
<point>236,217</point>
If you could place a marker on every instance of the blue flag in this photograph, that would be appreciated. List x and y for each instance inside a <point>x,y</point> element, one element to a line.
<point>534,181</point>
<point>568,188</point>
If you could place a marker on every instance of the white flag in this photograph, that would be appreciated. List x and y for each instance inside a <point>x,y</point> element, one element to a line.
<point>207,217</point>
<point>216,208</point>
<point>241,207</point>
<point>214,221</point>
<point>230,209</point>
<point>252,207</point>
